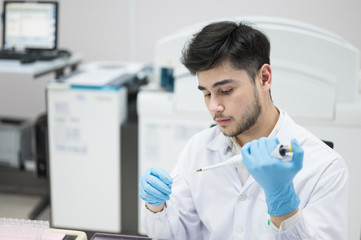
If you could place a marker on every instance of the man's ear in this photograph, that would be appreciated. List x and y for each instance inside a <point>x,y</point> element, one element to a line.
<point>265,75</point>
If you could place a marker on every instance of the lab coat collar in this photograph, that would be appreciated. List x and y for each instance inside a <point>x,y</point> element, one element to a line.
<point>287,130</point>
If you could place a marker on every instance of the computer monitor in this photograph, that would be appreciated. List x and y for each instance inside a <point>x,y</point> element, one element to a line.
<point>29,25</point>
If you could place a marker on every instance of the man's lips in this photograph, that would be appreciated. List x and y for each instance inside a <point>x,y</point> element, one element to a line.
<point>223,121</point>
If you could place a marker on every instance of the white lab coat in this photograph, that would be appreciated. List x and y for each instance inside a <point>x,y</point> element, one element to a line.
<point>214,205</point>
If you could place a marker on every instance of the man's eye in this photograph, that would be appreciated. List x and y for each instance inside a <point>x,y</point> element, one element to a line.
<point>227,91</point>
<point>207,95</point>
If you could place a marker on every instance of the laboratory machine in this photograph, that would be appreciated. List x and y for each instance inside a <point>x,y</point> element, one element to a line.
<point>316,80</point>
<point>16,138</point>
<point>85,113</point>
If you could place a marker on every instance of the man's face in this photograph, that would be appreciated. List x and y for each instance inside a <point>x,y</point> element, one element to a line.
<point>231,98</point>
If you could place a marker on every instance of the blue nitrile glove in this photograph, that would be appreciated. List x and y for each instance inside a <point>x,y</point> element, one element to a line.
<point>155,186</point>
<point>273,174</point>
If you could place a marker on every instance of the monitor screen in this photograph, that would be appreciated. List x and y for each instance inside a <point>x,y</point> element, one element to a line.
<point>30,25</point>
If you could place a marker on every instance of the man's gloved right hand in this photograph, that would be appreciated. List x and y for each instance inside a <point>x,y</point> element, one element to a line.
<point>273,174</point>
<point>155,186</point>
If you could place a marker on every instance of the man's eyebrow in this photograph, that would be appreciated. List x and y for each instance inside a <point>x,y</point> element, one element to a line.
<point>201,88</point>
<point>217,84</point>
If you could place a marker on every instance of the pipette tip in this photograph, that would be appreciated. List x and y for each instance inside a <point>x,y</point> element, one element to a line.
<point>198,170</point>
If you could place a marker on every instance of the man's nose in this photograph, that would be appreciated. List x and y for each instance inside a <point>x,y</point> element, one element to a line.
<point>215,105</point>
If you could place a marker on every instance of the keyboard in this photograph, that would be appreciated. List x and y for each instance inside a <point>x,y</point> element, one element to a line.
<point>37,56</point>
<point>11,55</point>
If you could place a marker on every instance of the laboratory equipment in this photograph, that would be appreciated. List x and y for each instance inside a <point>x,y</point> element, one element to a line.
<point>16,138</point>
<point>236,161</point>
<point>85,113</point>
<point>281,150</point>
<point>316,80</point>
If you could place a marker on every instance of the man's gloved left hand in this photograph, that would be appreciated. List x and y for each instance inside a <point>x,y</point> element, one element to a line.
<point>155,186</point>
<point>273,174</point>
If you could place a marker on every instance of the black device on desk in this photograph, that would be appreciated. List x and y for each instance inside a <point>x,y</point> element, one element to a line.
<point>31,56</point>
<point>30,31</point>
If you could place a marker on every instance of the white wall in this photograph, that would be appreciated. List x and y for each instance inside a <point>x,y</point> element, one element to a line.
<point>156,19</point>
<point>100,29</point>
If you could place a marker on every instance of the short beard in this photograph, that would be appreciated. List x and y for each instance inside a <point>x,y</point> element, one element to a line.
<point>251,116</point>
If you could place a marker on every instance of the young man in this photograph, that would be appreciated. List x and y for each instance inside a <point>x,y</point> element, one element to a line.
<point>303,196</point>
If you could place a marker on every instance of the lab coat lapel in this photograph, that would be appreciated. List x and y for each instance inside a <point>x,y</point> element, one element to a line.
<point>220,145</point>
<point>231,174</point>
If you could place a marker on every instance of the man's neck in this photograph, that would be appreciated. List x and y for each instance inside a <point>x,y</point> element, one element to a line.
<point>263,127</point>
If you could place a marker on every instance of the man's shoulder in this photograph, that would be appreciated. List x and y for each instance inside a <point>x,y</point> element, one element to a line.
<point>315,148</point>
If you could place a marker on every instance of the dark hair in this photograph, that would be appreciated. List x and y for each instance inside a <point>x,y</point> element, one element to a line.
<point>244,47</point>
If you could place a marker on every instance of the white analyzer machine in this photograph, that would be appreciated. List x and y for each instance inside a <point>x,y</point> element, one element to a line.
<point>316,80</point>
<point>85,113</point>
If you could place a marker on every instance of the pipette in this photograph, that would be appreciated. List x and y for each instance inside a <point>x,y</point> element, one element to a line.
<point>236,161</point>
<point>281,150</point>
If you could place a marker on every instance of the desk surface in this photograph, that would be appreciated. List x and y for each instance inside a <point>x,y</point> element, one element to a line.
<point>22,86</point>
<point>39,67</point>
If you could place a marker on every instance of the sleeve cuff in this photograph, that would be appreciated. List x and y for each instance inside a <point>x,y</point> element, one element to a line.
<point>153,215</point>
<point>286,224</point>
